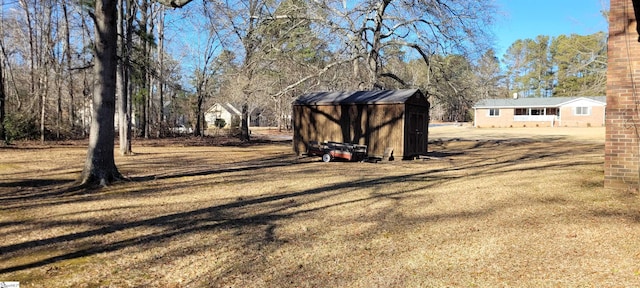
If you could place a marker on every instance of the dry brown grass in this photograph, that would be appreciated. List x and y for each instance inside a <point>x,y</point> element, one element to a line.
<point>489,208</point>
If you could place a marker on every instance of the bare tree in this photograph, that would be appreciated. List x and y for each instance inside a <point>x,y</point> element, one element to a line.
<point>202,77</point>
<point>257,30</point>
<point>371,28</point>
<point>3,95</point>
<point>86,79</point>
<point>100,165</point>
<point>123,86</point>
<point>46,59</point>
<point>2,99</point>
<point>161,71</point>
<point>240,19</point>
<point>69,58</point>
<point>32,44</point>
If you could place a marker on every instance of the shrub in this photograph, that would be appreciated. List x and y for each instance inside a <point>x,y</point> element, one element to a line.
<point>235,125</point>
<point>19,126</point>
<point>220,123</point>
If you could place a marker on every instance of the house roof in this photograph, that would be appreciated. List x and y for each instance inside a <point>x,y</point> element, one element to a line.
<point>356,97</point>
<point>535,102</point>
<point>226,106</point>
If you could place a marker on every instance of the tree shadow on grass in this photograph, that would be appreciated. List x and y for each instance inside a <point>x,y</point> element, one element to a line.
<point>35,183</point>
<point>27,193</point>
<point>265,211</point>
<point>209,218</point>
<point>262,163</point>
<point>30,193</point>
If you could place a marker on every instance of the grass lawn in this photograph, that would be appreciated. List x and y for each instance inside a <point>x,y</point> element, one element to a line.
<point>489,208</point>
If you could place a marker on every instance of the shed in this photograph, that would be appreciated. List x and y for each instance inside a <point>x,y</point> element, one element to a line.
<point>382,120</point>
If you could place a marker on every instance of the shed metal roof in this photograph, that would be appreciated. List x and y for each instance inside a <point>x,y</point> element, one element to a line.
<point>533,102</point>
<point>356,97</point>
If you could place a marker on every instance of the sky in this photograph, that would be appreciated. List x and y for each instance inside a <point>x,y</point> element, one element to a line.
<point>522,19</point>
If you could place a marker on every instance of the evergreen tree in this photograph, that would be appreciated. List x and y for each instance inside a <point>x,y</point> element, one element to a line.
<point>581,63</point>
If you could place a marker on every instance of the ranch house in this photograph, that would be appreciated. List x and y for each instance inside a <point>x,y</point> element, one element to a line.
<point>540,112</point>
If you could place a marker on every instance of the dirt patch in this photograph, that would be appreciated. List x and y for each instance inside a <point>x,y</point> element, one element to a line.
<point>505,211</point>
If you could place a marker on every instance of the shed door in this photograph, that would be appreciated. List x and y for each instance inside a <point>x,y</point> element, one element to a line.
<point>416,133</point>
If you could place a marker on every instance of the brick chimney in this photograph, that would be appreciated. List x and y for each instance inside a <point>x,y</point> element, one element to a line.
<point>622,158</point>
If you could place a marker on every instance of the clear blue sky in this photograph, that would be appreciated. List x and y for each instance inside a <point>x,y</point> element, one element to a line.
<point>522,19</point>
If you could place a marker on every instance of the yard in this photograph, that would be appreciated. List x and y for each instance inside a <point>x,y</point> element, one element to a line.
<point>489,208</point>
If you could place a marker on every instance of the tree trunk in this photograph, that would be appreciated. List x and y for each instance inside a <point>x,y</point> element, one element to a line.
<point>199,125</point>
<point>144,18</point>
<point>2,101</point>
<point>374,55</point>
<point>124,114</point>
<point>85,83</point>
<point>32,47</point>
<point>127,104</point>
<point>244,123</point>
<point>43,105</point>
<point>161,80</point>
<point>131,11</point>
<point>120,88</point>
<point>59,100</point>
<point>100,167</point>
<point>44,64</point>
<point>72,120</point>
<point>150,75</point>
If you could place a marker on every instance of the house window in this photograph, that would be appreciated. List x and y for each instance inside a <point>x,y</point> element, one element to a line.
<point>494,112</point>
<point>521,111</point>
<point>537,111</point>
<point>582,111</point>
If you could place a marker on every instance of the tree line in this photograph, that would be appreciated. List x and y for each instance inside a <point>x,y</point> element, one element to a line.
<point>58,58</point>
<point>261,54</point>
<point>567,65</point>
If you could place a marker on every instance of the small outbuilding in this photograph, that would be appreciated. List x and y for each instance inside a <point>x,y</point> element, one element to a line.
<point>385,120</point>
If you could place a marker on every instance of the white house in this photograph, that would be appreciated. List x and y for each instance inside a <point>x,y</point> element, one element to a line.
<point>222,111</point>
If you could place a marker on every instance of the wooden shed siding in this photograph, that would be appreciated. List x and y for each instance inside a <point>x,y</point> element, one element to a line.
<point>417,108</point>
<point>377,126</point>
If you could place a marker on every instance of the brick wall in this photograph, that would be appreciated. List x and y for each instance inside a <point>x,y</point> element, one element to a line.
<point>568,119</point>
<point>483,120</point>
<point>594,119</point>
<point>621,166</point>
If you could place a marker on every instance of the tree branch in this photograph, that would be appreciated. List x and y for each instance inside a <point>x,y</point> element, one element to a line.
<point>394,77</point>
<point>174,3</point>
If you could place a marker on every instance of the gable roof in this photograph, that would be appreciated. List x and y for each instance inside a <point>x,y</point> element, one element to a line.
<point>226,106</point>
<point>357,97</point>
<point>535,102</point>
